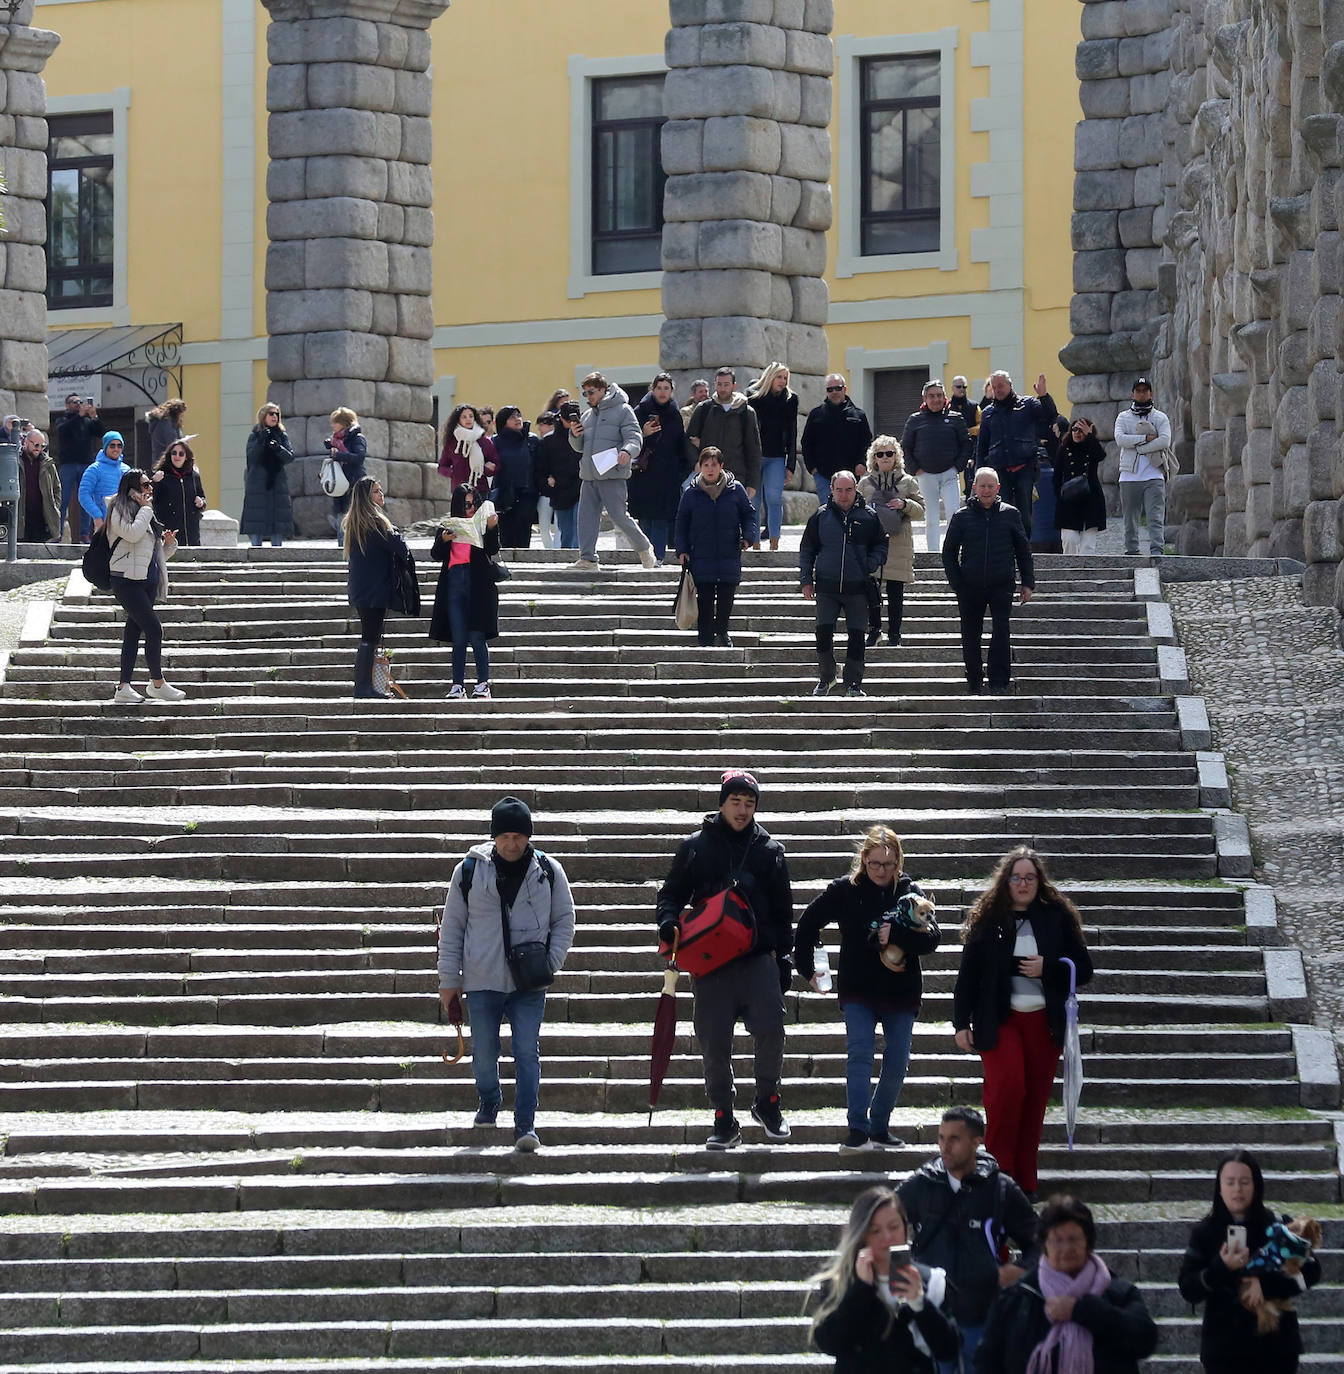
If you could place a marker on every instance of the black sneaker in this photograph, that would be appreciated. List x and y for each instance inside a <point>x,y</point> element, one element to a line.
<point>874,635</point>
<point>855,692</point>
<point>767,1115</point>
<point>726,1133</point>
<point>486,1114</point>
<point>823,687</point>
<point>1000,689</point>
<point>724,642</point>
<point>854,1143</point>
<point>884,1139</point>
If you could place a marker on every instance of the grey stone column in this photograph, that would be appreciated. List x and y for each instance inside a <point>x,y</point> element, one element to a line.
<point>23,245</point>
<point>747,151</point>
<point>348,269</point>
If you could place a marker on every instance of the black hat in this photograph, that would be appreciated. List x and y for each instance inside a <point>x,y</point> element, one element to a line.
<point>509,816</point>
<point>738,780</point>
<point>1142,382</point>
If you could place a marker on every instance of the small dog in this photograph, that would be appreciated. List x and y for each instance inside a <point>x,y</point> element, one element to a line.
<point>912,913</point>
<point>1287,1247</point>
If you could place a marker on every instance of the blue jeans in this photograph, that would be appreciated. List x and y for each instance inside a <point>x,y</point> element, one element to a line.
<point>872,1113</point>
<point>276,540</point>
<point>771,494</point>
<point>459,622</point>
<point>823,486</point>
<point>70,475</point>
<point>656,531</point>
<point>970,1339</point>
<point>567,523</point>
<point>486,1011</point>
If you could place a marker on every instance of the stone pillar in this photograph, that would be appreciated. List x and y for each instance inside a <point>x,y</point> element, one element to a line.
<point>23,245</point>
<point>747,151</point>
<point>348,268</point>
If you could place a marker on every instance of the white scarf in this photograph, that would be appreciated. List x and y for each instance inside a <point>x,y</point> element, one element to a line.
<point>469,445</point>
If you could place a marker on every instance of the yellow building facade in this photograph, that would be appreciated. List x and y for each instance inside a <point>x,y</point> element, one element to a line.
<point>174,92</point>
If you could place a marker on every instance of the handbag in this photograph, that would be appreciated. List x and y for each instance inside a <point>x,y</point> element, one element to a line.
<point>332,477</point>
<point>97,563</point>
<point>1074,489</point>
<point>501,572</point>
<point>715,931</point>
<point>405,584</point>
<point>686,607</point>
<point>530,962</point>
<point>382,674</point>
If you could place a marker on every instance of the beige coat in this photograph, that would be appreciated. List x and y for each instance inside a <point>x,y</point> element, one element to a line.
<point>900,564</point>
<point>140,542</point>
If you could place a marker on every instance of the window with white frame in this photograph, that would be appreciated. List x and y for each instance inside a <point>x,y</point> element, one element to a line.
<point>627,174</point>
<point>80,211</point>
<point>901,183</point>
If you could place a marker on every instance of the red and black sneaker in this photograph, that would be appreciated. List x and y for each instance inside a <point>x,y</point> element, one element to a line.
<point>726,1132</point>
<point>765,1112</point>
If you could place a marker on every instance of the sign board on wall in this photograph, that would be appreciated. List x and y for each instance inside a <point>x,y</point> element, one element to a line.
<point>58,388</point>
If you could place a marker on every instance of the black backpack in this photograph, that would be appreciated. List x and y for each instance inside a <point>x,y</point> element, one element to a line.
<point>97,565</point>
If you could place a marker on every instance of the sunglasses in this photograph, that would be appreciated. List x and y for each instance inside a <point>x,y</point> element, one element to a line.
<point>884,453</point>
<point>835,388</point>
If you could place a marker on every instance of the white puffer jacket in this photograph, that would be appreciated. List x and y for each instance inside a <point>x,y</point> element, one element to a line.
<point>140,542</point>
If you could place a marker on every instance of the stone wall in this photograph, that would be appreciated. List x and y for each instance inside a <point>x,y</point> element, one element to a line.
<point>23,245</point>
<point>1207,205</point>
<point>747,151</point>
<point>348,269</point>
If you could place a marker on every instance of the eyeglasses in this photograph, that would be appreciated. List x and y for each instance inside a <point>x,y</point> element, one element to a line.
<point>835,388</point>
<point>592,391</point>
<point>884,453</point>
<point>957,386</point>
<point>880,863</point>
<point>1022,878</point>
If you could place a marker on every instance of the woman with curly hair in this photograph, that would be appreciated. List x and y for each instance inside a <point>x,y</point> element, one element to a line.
<point>876,1308</point>
<point>1008,1003</point>
<point>898,500</point>
<point>468,452</point>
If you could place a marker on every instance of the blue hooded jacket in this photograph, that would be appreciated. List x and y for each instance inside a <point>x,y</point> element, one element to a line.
<point>102,478</point>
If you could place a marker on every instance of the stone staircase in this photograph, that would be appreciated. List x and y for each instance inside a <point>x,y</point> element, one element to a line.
<point>230,1140</point>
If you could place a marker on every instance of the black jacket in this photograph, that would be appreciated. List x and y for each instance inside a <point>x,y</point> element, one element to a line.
<point>856,1333</point>
<point>856,910</point>
<point>1011,430</point>
<point>514,470</point>
<point>967,409</point>
<point>483,606</point>
<point>987,546</point>
<point>1229,1338</point>
<point>836,438</point>
<point>653,490</point>
<point>705,863</point>
<point>983,993</point>
<point>556,459</point>
<point>777,415</point>
<point>1122,1331</point>
<point>841,550</point>
<point>1086,512</point>
<point>370,576</point>
<point>935,441</point>
<point>948,1230</point>
<point>267,508</point>
<point>77,438</point>
<point>175,505</point>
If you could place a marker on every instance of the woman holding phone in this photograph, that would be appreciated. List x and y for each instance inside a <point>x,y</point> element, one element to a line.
<point>1213,1273</point>
<point>876,1309</point>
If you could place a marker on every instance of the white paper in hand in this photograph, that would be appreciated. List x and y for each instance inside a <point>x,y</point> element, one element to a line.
<point>606,460</point>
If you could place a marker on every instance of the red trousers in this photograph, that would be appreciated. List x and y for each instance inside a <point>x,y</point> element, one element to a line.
<point>1019,1073</point>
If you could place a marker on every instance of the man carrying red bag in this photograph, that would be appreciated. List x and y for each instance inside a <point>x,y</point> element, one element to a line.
<point>731,851</point>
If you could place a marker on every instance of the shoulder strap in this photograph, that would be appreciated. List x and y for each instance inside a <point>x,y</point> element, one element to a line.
<point>468,872</point>
<point>546,866</point>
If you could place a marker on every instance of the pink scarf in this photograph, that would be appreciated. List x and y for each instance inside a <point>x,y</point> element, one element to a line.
<point>1074,1341</point>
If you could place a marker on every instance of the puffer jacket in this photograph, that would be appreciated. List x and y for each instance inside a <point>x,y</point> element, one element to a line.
<point>935,441</point>
<point>841,550</point>
<point>1011,431</point>
<point>878,490</point>
<point>471,935</point>
<point>141,543</point>
<point>101,479</point>
<point>711,530</point>
<point>735,432</point>
<point>611,423</point>
<point>986,546</point>
<point>836,438</point>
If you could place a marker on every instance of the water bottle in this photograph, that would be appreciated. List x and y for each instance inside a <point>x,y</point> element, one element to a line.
<point>821,967</point>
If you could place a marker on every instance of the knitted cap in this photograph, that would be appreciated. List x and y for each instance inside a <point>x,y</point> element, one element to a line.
<point>509,816</point>
<point>738,780</point>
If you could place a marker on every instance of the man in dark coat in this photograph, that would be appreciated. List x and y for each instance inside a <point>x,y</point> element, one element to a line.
<point>731,849</point>
<point>843,546</point>
<point>77,435</point>
<point>985,550</point>
<point>1011,430</point>
<point>836,437</point>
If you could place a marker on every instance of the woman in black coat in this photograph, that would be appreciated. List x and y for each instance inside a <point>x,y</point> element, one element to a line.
<point>1068,1306</point>
<point>557,475</point>
<point>179,497</point>
<point>374,549</point>
<point>656,475</point>
<point>1008,1003</point>
<point>1080,518</point>
<point>466,600</point>
<point>878,1311</point>
<point>715,522</point>
<point>267,510</point>
<point>1213,1272</point>
<point>515,479</point>
<point>776,408</point>
<point>879,979</point>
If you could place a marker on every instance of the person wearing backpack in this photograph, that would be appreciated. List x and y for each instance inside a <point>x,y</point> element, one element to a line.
<point>731,850</point>
<point>508,922</point>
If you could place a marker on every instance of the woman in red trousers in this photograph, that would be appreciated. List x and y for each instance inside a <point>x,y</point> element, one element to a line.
<point>1008,1004</point>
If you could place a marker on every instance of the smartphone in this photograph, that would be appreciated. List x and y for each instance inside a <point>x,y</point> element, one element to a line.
<point>88,401</point>
<point>899,1256</point>
<point>1236,1237</point>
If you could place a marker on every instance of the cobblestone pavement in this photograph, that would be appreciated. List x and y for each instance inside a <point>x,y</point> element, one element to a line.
<point>1271,673</point>
<point>14,606</point>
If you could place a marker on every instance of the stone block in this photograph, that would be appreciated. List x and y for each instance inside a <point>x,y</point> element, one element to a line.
<point>357,264</point>
<point>1104,20</point>
<point>1295,359</point>
<point>1210,457</point>
<point>301,312</point>
<point>1292,422</point>
<point>682,145</point>
<point>1097,58</point>
<point>286,179</point>
<point>414,94</point>
<point>812,54</point>
<point>392,223</point>
<point>1296,482</point>
<point>409,268</point>
<point>1087,390</point>
<point>788,14</point>
<point>681,246</point>
<point>1286,540</point>
<point>384,314</point>
<point>409,183</point>
<point>681,46</point>
<point>679,345</point>
<point>786,195</point>
<point>345,353</point>
<point>23,365</point>
<point>405,480</point>
<point>1105,99</point>
<point>701,294</point>
<point>25,95</point>
<point>1259,456</point>
<point>1089,313</point>
<point>1141,140</point>
<point>1130,309</point>
<point>418,225</point>
<point>742,45</point>
<point>28,131</point>
<point>1259,512</point>
<point>284,357</point>
<point>807,349</point>
<point>287,87</point>
<point>1323,391</point>
<point>1149,92</point>
<point>811,300</point>
<point>415,141</point>
<point>739,143</point>
<point>314,133</point>
<point>804,153</point>
<point>1234,489</point>
<point>819,16</point>
<point>803,252</point>
<point>1141,266</point>
<point>1298,296</point>
<point>1096,144</point>
<point>436,488</point>
<point>789,96</point>
<point>334,217</point>
<point>703,92</point>
<point>1099,270</point>
<point>322,40</point>
<point>411,361</point>
<point>733,336</point>
<point>25,221</point>
<point>817,97</point>
<point>318,397</point>
<point>815,210</point>
<point>1234,541</point>
<point>25,173</point>
<point>1093,230</point>
<point>692,13</point>
<point>352,85</point>
<point>1148,187</point>
<point>718,195</point>
<point>781,303</point>
<point>1136,227</point>
<point>415,317</point>
<point>747,244</point>
<point>1113,190</point>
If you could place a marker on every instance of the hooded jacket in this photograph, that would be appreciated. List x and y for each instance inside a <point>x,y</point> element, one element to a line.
<point>101,478</point>
<point>1011,430</point>
<point>609,424</point>
<point>948,1229</point>
<point>709,859</point>
<point>141,543</point>
<point>471,934</point>
<point>735,432</point>
<point>841,550</point>
<point>836,438</point>
<point>986,546</point>
<point>711,530</point>
<point>514,473</point>
<point>935,441</point>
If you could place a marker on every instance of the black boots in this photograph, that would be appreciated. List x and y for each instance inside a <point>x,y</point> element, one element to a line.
<point>364,674</point>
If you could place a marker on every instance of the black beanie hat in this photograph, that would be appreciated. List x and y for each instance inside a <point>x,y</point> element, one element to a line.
<point>510,816</point>
<point>738,780</point>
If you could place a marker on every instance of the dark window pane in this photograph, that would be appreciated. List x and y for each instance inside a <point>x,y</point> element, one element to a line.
<point>627,175</point>
<point>886,169</point>
<point>627,255</point>
<point>900,236</point>
<point>80,210</point>
<point>902,78</point>
<point>901,184</point>
<point>921,160</point>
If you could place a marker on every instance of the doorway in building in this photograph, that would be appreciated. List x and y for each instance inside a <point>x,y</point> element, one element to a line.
<point>897,393</point>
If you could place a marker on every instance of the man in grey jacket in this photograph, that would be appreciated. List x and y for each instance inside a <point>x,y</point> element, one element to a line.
<point>1144,437</point>
<point>609,438</point>
<point>726,422</point>
<point>503,881</point>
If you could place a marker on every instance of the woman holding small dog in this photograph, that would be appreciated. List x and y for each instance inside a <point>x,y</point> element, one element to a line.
<point>886,925</point>
<point>1008,1003</point>
<point>1249,1324</point>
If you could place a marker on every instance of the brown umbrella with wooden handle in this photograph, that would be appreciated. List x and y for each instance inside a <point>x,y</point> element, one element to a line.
<point>455,1019</point>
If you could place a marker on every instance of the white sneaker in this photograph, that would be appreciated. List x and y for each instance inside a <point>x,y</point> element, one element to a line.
<point>166,692</point>
<point>648,560</point>
<point>582,565</point>
<point>126,695</point>
<point>456,692</point>
<point>482,692</point>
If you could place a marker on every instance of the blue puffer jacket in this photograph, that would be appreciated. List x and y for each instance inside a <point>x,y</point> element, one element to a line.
<point>841,550</point>
<point>711,531</point>
<point>101,479</point>
<point>1011,430</point>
